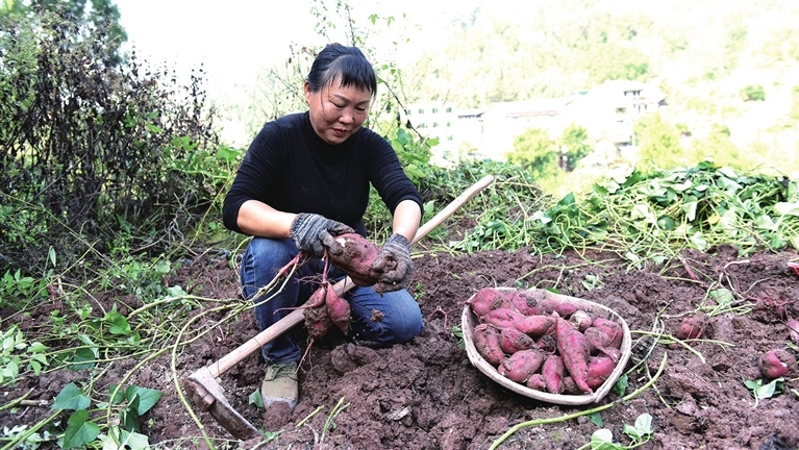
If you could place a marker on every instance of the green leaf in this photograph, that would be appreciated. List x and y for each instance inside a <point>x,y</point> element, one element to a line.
<point>722,296</point>
<point>595,418</point>
<point>698,241</point>
<point>602,439</point>
<point>79,431</point>
<point>147,397</point>
<point>642,428</point>
<point>118,323</point>
<point>787,209</point>
<point>256,399</point>
<point>71,398</point>
<point>83,358</point>
<point>115,399</point>
<point>768,390</point>
<point>51,254</point>
<point>620,387</point>
<point>130,416</point>
<point>119,439</point>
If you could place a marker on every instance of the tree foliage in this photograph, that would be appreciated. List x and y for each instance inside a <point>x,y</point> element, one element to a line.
<point>86,148</point>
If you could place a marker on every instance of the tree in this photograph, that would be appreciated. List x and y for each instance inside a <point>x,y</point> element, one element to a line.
<point>575,145</point>
<point>535,151</point>
<point>103,15</point>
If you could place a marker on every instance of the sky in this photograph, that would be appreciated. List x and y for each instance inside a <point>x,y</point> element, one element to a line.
<point>237,39</point>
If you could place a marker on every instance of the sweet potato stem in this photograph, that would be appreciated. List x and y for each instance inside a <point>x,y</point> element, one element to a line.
<point>586,412</point>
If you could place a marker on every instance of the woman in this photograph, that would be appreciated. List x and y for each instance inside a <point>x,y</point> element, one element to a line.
<point>304,180</point>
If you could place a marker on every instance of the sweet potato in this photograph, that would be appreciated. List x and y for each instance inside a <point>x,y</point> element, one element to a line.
<point>502,317</point>
<point>488,299</point>
<point>356,258</point>
<point>574,350</point>
<point>569,386</point>
<point>536,382</point>
<point>552,370</point>
<point>535,325</point>
<point>317,319</point>
<point>776,363</point>
<point>596,338</point>
<point>599,369</point>
<point>338,309</point>
<point>520,365</point>
<point>523,302</point>
<point>562,309</point>
<point>691,328</point>
<point>612,329</point>
<point>581,320</point>
<point>512,340</point>
<point>486,341</point>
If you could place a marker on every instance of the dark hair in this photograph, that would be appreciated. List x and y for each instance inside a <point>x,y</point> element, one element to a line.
<point>348,64</point>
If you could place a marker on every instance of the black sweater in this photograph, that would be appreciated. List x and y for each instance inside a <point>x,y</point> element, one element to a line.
<point>290,168</point>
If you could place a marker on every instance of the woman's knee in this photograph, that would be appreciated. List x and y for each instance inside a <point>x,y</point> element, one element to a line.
<point>400,321</point>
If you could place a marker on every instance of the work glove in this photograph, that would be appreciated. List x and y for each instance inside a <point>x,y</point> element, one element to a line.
<point>394,265</point>
<point>314,233</point>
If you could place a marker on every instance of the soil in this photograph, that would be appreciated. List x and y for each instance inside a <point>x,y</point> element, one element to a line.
<point>427,394</point>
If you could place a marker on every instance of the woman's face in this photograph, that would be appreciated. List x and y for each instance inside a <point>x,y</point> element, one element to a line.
<point>337,112</point>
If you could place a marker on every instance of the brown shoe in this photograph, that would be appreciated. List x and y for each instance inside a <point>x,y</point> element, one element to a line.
<point>280,385</point>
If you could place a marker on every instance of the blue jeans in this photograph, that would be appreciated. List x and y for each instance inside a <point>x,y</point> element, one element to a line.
<point>402,318</point>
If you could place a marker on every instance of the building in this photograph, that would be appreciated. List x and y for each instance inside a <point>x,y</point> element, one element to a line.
<point>608,112</point>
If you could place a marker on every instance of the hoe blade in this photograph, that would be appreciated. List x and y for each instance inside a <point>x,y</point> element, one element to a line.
<point>208,395</point>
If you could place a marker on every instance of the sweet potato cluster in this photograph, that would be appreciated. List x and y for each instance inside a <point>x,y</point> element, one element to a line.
<point>546,345</point>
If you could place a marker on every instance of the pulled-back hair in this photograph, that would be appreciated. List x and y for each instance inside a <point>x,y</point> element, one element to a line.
<point>347,64</point>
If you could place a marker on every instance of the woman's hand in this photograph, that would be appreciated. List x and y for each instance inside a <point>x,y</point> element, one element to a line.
<point>394,265</point>
<point>314,233</point>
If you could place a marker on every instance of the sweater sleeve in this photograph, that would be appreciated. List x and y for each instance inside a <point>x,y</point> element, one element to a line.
<point>388,176</point>
<point>258,174</point>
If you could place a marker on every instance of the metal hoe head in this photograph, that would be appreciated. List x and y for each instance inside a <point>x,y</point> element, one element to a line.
<point>206,392</point>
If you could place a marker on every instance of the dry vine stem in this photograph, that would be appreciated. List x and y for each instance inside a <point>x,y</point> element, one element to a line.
<point>530,423</point>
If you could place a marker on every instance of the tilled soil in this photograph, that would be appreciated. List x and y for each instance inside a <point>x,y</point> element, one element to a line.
<point>427,395</point>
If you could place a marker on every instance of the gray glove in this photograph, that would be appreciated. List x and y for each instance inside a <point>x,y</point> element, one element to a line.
<point>394,265</point>
<point>314,233</point>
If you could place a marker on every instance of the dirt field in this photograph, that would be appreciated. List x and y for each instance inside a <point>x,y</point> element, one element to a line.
<point>427,395</point>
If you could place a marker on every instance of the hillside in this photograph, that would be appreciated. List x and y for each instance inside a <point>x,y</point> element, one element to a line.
<point>701,54</point>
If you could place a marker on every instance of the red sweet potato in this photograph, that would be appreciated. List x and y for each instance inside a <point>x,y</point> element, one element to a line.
<point>691,327</point>
<point>338,309</point>
<point>776,363</point>
<point>502,317</point>
<point>612,329</point>
<point>523,301</point>
<point>536,382</point>
<point>574,350</point>
<point>563,309</point>
<point>581,320</point>
<point>512,340</point>
<point>552,371</point>
<point>356,258</point>
<point>317,319</point>
<point>488,299</point>
<point>535,325</point>
<point>486,341</point>
<point>520,365</point>
<point>569,386</point>
<point>599,369</point>
<point>597,339</point>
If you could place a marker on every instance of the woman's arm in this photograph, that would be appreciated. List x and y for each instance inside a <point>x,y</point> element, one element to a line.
<point>407,217</point>
<point>259,219</point>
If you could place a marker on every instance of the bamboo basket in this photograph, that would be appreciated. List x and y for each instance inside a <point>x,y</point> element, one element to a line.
<point>469,321</point>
